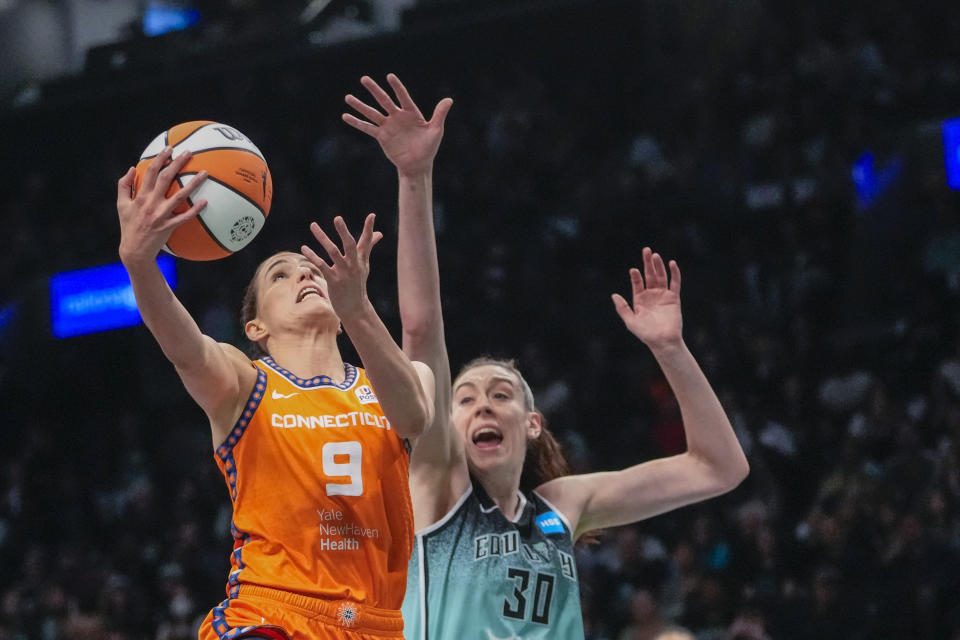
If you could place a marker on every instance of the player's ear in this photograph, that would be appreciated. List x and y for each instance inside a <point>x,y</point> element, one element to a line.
<point>255,330</point>
<point>534,425</point>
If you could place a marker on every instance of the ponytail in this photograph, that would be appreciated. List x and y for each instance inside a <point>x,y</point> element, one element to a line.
<point>545,460</point>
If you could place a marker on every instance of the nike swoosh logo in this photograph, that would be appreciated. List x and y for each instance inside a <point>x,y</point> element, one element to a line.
<point>280,396</point>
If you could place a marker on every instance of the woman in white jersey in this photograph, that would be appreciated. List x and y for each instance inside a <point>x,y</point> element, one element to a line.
<point>492,561</point>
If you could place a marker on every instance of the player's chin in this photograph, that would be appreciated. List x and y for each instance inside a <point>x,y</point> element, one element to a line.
<point>316,302</point>
<point>488,458</point>
<point>318,312</point>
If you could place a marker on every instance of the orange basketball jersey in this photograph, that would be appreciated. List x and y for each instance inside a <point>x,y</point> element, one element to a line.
<point>319,484</point>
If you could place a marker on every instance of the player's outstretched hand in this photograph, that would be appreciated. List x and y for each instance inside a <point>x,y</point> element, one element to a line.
<point>147,219</point>
<point>408,140</point>
<point>347,275</point>
<point>655,316</point>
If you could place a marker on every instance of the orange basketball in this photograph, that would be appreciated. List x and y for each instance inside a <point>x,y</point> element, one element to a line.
<point>238,191</point>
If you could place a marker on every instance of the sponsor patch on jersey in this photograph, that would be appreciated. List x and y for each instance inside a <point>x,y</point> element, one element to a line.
<point>365,395</point>
<point>550,522</point>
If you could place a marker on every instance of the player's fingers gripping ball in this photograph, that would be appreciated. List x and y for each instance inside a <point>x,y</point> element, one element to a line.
<point>238,191</point>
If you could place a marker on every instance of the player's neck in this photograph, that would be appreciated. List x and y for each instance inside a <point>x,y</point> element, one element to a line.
<point>308,356</point>
<point>503,491</point>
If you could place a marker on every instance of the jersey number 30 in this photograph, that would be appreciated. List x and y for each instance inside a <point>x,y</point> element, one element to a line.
<point>542,595</point>
<point>350,469</point>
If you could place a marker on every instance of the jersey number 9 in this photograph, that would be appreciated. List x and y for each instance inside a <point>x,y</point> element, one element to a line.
<point>350,469</point>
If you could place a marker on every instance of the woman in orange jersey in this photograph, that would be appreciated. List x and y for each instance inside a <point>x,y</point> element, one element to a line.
<point>495,512</point>
<point>315,451</point>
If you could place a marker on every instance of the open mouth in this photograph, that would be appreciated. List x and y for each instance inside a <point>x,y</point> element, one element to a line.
<point>308,291</point>
<point>487,438</point>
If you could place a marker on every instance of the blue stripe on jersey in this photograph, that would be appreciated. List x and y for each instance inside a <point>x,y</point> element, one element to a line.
<point>349,371</point>
<point>225,450</point>
<point>220,626</point>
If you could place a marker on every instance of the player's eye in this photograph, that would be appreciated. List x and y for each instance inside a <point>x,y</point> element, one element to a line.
<point>465,400</point>
<point>277,275</point>
<point>500,395</point>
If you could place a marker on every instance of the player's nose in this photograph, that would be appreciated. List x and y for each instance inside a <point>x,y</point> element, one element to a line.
<point>482,406</point>
<point>306,273</point>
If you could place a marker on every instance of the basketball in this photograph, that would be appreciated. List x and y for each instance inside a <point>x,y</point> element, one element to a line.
<point>238,191</point>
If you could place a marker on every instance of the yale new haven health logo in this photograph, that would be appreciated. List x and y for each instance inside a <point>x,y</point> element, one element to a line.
<point>365,394</point>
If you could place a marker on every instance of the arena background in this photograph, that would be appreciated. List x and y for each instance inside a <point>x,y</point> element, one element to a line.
<point>788,155</point>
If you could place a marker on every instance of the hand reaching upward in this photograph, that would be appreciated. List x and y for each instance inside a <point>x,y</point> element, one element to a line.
<point>346,276</point>
<point>148,217</point>
<point>655,317</point>
<point>408,140</point>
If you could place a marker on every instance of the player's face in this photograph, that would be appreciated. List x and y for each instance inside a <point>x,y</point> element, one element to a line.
<point>290,286</point>
<point>492,416</point>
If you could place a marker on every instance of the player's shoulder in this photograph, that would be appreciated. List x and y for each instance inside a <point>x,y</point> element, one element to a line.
<point>566,496</point>
<point>234,354</point>
<point>245,370</point>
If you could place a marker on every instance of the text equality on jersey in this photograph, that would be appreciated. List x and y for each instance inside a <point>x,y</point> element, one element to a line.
<point>329,421</point>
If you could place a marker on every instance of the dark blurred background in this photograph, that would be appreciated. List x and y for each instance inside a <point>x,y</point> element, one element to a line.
<point>788,155</point>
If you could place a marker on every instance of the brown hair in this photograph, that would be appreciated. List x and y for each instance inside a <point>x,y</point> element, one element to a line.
<point>544,460</point>
<point>249,309</point>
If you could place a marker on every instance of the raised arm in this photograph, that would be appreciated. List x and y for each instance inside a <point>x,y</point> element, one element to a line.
<point>404,388</point>
<point>438,471</point>
<point>215,375</point>
<point>713,464</point>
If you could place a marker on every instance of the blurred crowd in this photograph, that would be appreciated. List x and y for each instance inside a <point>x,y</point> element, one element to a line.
<point>722,134</point>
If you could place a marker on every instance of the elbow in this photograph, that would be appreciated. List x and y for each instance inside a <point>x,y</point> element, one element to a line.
<point>420,332</point>
<point>425,416</point>
<point>419,418</point>
<point>734,474</point>
<point>723,476</point>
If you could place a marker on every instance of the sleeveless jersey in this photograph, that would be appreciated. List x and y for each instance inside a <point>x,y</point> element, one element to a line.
<point>475,574</point>
<point>319,484</point>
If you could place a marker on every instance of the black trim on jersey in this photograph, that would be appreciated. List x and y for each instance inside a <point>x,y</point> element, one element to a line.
<point>425,587</point>
<point>523,522</point>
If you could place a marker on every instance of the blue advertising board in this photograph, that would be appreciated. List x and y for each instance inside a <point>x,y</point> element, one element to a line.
<point>951,151</point>
<point>97,298</point>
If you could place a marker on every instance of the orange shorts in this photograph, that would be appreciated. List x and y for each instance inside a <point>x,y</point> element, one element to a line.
<point>271,613</point>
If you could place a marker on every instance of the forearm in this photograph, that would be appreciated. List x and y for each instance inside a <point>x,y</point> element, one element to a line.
<point>393,376</point>
<point>709,434</point>
<point>713,464</point>
<point>171,325</point>
<point>417,268</point>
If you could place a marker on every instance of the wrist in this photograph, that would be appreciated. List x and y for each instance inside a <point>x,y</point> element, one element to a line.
<point>135,259</point>
<point>667,348</point>
<point>357,313</point>
<point>416,174</point>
